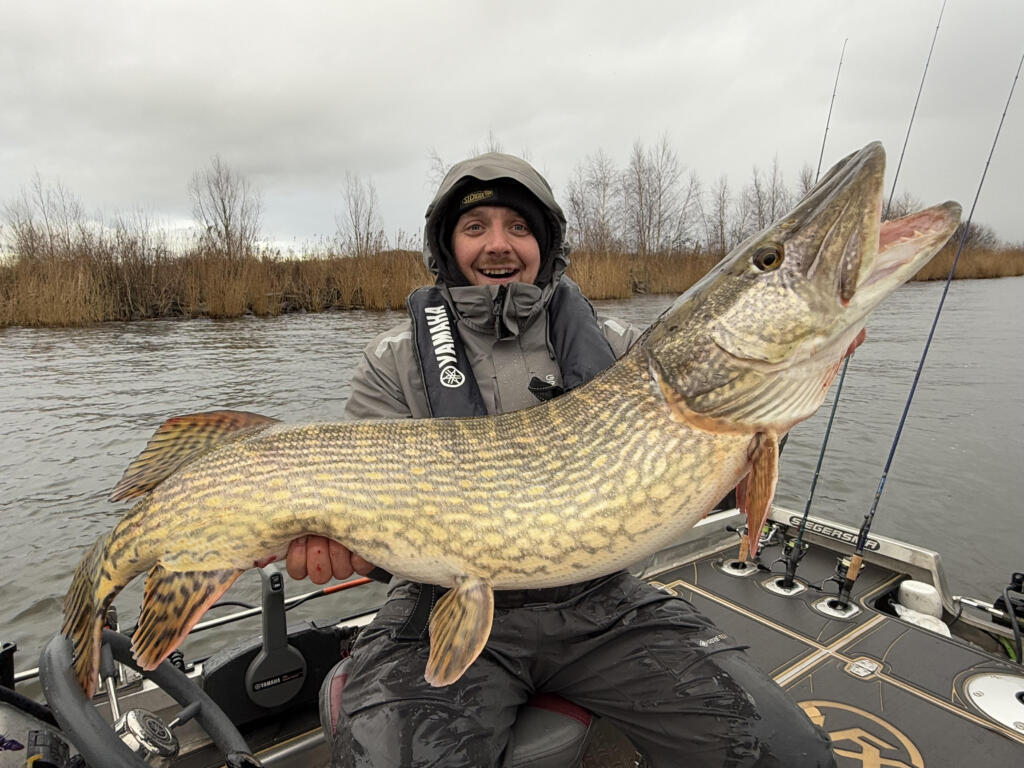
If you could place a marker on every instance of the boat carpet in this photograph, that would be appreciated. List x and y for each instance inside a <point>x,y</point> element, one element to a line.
<point>889,693</point>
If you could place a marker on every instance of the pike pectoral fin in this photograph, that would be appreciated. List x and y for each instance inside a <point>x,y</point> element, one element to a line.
<point>177,441</point>
<point>756,491</point>
<point>459,627</point>
<point>173,604</point>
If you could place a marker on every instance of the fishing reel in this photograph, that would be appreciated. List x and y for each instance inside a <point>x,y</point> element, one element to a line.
<point>742,565</point>
<point>845,574</point>
<point>793,552</point>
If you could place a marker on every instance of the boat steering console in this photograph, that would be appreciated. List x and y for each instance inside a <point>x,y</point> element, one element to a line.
<point>139,739</point>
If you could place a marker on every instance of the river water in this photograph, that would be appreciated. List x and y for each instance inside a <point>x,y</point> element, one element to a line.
<point>78,405</point>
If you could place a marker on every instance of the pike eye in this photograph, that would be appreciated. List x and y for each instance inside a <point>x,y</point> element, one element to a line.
<point>768,258</point>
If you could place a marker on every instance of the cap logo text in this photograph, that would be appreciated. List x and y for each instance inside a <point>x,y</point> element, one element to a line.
<point>476,197</point>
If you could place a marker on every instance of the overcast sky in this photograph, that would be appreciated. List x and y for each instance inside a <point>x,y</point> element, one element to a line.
<point>122,101</point>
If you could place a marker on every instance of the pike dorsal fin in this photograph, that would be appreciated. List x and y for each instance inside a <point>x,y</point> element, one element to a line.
<point>173,604</point>
<point>459,627</point>
<point>176,442</point>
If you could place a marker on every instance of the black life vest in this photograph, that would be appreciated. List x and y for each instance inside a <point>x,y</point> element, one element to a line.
<point>580,347</point>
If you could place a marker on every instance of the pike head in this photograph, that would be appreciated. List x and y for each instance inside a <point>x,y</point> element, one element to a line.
<point>754,345</point>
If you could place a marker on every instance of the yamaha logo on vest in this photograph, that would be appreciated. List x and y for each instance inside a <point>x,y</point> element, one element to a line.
<point>444,347</point>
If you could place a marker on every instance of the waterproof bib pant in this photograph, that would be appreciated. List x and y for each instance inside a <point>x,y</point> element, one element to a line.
<point>684,692</point>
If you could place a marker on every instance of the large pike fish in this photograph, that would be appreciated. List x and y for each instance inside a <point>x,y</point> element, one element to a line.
<point>568,490</point>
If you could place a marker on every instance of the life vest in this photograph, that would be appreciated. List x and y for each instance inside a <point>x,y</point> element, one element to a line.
<point>580,348</point>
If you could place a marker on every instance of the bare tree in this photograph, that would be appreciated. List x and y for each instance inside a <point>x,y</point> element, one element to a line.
<point>755,197</point>
<point>980,237</point>
<point>766,196</point>
<point>594,204</point>
<point>46,220</point>
<point>716,217</point>
<point>491,144</point>
<point>437,169</point>
<point>742,222</point>
<point>657,209</point>
<point>901,205</point>
<point>227,207</point>
<point>804,181</point>
<point>360,229</point>
<point>779,198</point>
<point>578,208</point>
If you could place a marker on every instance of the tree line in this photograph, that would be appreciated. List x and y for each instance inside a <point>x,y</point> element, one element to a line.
<point>656,205</point>
<point>652,205</point>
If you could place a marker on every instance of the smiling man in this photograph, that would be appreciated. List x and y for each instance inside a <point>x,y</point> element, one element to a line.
<point>503,329</point>
<point>494,244</point>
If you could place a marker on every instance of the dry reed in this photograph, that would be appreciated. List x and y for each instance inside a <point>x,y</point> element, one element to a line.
<point>133,277</point>
<point>973,264</point>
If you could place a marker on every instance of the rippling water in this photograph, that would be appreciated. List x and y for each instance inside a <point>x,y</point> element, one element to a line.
<point>78,405</point>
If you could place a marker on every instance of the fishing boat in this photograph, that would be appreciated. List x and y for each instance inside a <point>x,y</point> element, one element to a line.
<point>896,669</point>
<point>861,630</point>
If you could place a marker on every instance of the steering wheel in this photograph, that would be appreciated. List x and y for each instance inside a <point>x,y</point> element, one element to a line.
<point>94,737</point>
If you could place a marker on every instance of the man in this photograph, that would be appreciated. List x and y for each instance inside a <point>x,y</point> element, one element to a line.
<point>504,329</point>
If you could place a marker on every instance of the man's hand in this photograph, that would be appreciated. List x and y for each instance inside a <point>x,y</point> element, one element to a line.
<point>321,559</point>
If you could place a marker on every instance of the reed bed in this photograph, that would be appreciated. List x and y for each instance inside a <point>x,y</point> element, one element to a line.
<point>93,283</point>
<point>602,275</point>
<point>974,264</point>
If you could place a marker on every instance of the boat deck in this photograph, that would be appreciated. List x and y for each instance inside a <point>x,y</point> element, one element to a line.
<point>888,692</point>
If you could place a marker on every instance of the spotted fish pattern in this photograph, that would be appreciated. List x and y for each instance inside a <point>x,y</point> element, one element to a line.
<point>571,489</point>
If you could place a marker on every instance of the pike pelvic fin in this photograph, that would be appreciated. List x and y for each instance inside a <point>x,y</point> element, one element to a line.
<point>92,591</point>
<point>459,627</point>
<point>755,492</point>
<point>173,604</point>
<point>178,441</point>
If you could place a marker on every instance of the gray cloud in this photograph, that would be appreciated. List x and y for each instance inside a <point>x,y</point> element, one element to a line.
<point>123,101</point>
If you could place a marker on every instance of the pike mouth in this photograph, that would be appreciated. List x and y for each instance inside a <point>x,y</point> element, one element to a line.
<point>910,239</point>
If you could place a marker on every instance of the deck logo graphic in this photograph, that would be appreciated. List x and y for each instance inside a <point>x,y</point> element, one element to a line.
<point>862,736</point>
<point>444,347</point>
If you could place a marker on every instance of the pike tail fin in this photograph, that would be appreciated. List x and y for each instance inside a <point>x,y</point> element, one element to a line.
<point>173,604</point>
<point>92,590</point>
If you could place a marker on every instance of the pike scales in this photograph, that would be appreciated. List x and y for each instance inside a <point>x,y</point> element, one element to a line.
<point>568,490</point>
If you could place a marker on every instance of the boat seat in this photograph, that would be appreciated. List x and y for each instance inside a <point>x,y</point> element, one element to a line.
<point>549,732</point>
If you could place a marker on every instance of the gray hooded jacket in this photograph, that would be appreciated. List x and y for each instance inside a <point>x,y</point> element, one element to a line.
<point>506,350</point>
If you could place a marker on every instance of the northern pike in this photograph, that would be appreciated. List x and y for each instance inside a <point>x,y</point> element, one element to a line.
<point>568,490</point>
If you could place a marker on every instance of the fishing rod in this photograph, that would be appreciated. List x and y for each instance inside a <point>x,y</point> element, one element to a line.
<point>795,548</point>
<point>828,119</point>
<point>842,601</point>
<point>913,112</point>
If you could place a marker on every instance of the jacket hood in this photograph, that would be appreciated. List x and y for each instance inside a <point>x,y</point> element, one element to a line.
<point>487,167</point>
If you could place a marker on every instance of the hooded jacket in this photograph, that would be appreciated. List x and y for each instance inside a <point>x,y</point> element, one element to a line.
<point>504,329</point>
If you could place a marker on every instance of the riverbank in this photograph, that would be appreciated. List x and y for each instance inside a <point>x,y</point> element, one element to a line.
<point>86,287</point>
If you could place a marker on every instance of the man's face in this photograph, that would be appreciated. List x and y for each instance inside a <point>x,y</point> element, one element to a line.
<point>494,246</point>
